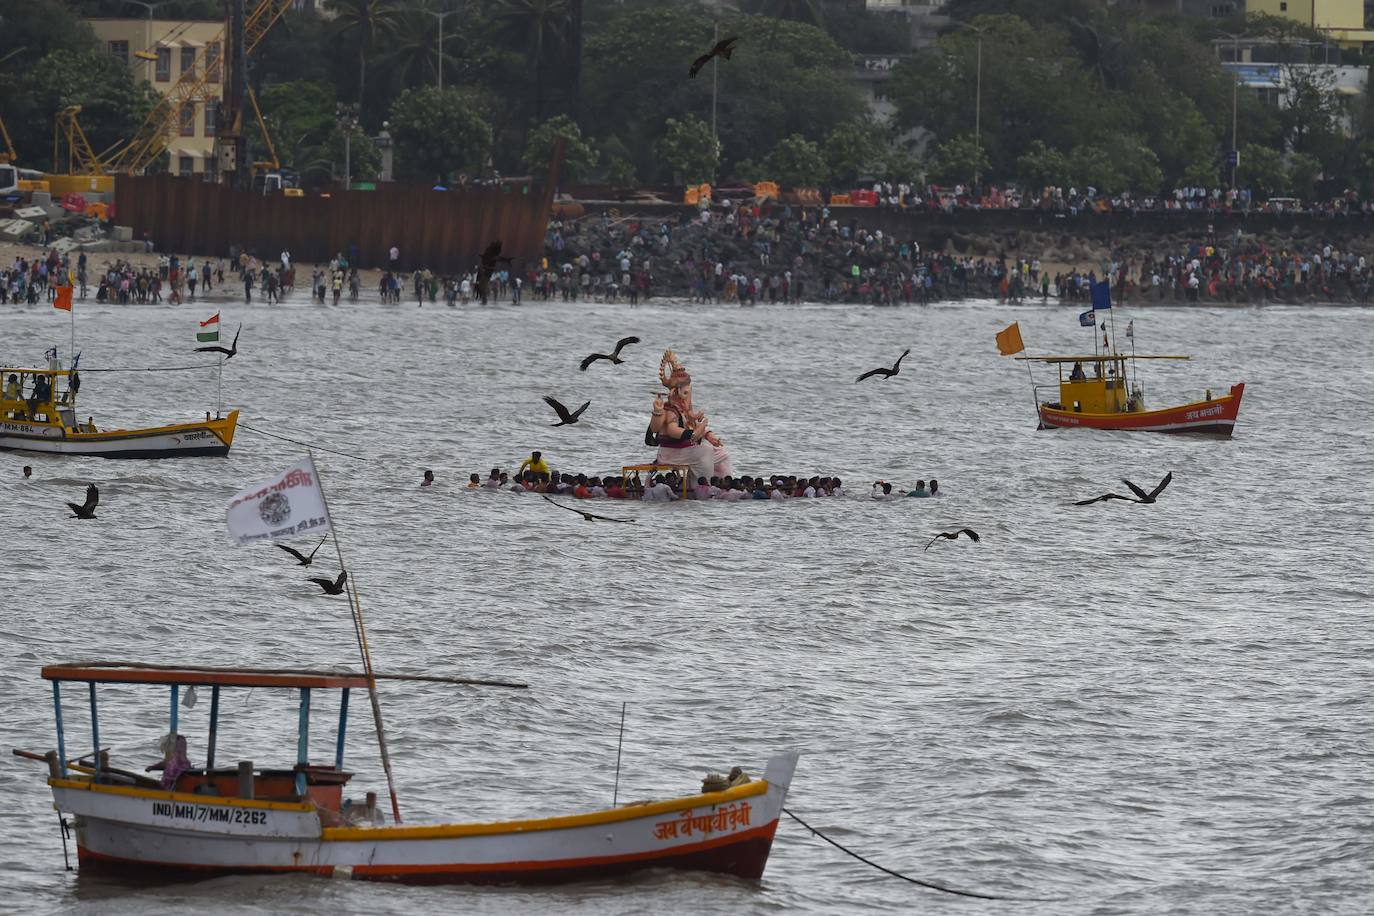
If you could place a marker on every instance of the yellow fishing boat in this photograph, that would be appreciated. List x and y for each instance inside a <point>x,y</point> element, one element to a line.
<point>38,413</point>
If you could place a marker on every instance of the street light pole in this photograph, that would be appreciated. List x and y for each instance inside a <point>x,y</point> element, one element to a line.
<point>715,69</point>
<point>978,112</point>
<point>977,99</point>
<point>148,27</point>
<point>347,117</point>
<point>1233,156</point>
<point>440,16</point>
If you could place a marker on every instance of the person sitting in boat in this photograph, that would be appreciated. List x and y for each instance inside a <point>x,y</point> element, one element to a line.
<point>174,760</point>
<point>1077,375</point>
<point>12,388</point>
<point>683,434</point>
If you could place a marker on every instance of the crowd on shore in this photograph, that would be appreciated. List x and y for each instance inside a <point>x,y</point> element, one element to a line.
<point>736,253</point>
<point>655,487</point>
<point>1075,201</point>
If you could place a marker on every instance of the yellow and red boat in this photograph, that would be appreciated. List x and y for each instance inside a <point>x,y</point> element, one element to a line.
<point>35,416</point>
<point>202,821</point>
<point>1096,393</point>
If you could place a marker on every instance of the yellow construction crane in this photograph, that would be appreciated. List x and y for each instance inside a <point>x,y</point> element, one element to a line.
<point>162,125</point>
<point>81,158</point>
<point>7,155</point>
<point>268,176</point>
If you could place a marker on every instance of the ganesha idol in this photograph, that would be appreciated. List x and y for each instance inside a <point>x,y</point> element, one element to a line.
<point>681,432</point>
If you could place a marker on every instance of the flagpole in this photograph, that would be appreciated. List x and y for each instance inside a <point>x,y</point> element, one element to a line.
<point>360,631</point>
<point>219,391</point>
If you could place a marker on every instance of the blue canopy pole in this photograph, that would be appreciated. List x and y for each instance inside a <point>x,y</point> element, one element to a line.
<point>61,738</point>
<point>343,727</point>
<point>95,730</point>
<point>303,741</point>
<point>214,729</point>
<point>175,690</point>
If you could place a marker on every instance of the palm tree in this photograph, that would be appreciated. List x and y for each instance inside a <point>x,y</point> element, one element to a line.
<point>540,27</point>
<point>373,20</point>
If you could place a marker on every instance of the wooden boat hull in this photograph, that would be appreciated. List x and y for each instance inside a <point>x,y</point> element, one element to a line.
<point>159,835</point>
<point>201,439</point>
<point>1215,417</point>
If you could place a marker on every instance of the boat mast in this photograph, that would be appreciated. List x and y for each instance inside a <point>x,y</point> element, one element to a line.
<point>360,631</point>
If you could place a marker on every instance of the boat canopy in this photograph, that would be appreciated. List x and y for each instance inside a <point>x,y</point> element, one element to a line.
<point>192,675</point>
<point>1091,357</point>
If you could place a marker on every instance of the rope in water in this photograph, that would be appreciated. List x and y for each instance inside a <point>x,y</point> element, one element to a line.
<point>263,432</point>
<point>154,368</point>
<point>896,874</point>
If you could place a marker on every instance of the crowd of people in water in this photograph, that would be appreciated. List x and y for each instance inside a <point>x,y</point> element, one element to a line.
<point>534,476</point>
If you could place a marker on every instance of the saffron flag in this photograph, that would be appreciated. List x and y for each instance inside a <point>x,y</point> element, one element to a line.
<point>1087,319</point>
<point>1102,295</point>
<point>1009,339</point>
<point>289,504</point>
<point>211,335</point>
<point>64,299</point>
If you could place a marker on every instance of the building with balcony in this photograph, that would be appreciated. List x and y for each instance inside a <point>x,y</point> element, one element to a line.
<point>159,51</point>
<point>1341,20</point>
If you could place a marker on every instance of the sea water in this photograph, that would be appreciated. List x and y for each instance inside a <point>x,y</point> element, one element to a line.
<point>1137,709</point>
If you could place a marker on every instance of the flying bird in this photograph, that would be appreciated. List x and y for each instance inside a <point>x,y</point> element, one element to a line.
<point>614,357</point>
<point>301,558</point>
<point>1140,495</point>
<point>953,535</point>
<point>491,255</point>
<point>335,587</point>
<point>589,516</point>
<point>229,353</point>
<point>886,373</point>
<point>565,418</point>
<point>723,48</point>
<point>87,509</point>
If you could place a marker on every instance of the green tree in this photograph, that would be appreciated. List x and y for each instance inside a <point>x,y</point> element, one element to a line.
<point>541,29</point>
<point>113,104</point>
<point>808,11</point>
<point>620,173</point>
<point>363,158</point>
<point>786,78</point>
<point>1303,172</point>
<point>1261,169</point>
<point>896,164</point>
<point>688,151</point>
<point>958,161</point>
<point>853,150</point>
<point>579,156</point>
<point>796,162</point>
<point>1042,166</point>
<point>936,91</point>
<point>371,23</point>
<point>438,132</point>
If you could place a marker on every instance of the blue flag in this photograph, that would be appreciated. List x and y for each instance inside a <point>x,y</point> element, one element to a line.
<point>1102,295</point>
<point>1087,319</point>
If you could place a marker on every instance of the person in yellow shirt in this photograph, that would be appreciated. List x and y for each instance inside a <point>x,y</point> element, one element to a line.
<point>535,462</point>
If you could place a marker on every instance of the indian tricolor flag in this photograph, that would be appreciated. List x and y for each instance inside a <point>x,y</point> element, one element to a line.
<point>209,329</point>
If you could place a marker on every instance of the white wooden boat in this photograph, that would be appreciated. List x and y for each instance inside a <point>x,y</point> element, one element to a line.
<point>36,416</point>
<point>211,821</point>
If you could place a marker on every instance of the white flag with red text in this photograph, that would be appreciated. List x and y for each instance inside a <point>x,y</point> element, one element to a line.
<point>288,505</point>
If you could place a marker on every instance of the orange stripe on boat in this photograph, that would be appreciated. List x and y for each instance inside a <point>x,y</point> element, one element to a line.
<point>765,832</point>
